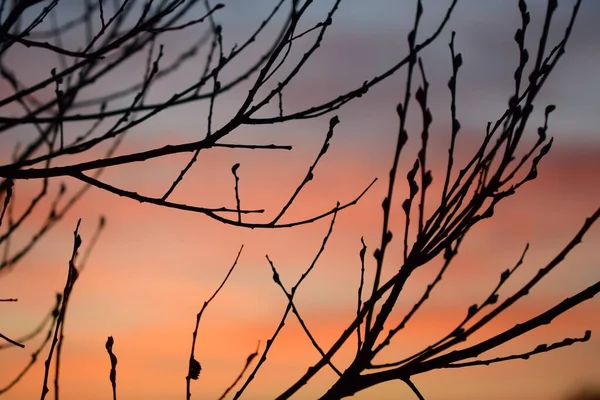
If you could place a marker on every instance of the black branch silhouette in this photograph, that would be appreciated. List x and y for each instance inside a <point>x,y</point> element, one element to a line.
<point>112,34</point>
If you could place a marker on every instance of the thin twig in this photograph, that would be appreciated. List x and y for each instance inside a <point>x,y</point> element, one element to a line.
<point>194,367</point>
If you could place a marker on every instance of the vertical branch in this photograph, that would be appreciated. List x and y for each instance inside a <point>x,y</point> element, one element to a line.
<point>237,190</point>
<point>102,21</point>
<point>62,59</point>
<point>61,105</point>
<point>523,53</point>
<point>363,250</point>
<point>61,337</point>
<point>541,69</point>
<point>194,367</point>
<point>217,31</point>
<point>426,178</point>
<point>280,101</point>
<point>113,366</point>
<point>456,64</point>
<point>93,241</point>
<point>402,111</point>
<point>407,204</point>
<point>71,278</point>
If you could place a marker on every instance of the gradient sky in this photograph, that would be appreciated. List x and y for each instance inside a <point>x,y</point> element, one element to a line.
<point>153,268</point>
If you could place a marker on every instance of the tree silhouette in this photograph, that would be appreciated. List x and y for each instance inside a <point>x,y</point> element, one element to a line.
<point>79,134</point>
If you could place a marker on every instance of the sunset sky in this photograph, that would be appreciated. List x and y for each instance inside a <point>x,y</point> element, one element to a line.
<point>153,268</point>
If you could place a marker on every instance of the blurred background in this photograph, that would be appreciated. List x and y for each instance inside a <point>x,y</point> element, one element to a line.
<point>153,268</point>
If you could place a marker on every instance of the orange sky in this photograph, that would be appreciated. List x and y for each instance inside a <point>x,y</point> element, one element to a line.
<point>153,268</point>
